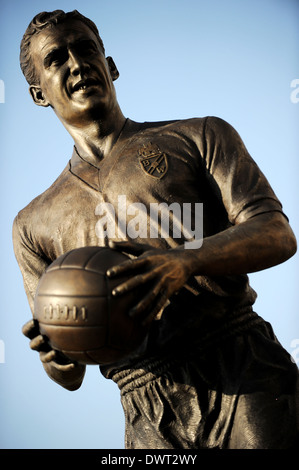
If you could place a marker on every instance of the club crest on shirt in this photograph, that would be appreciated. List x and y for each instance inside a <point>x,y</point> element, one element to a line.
<point>153,161</point>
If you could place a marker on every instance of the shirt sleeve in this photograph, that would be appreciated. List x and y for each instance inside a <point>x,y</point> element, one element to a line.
<point>235,177</point>
<point>31,264</point>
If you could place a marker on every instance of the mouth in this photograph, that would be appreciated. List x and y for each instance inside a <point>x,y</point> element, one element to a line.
<point>83,85</point>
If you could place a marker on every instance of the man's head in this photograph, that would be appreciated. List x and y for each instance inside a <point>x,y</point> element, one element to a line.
<point>39,23</point>
<point>63,59</point>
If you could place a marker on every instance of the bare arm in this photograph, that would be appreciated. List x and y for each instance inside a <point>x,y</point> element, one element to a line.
<point>256,244</point>
<point>259,243</point>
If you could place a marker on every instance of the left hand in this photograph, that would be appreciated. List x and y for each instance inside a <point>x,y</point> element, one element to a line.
<point>165,272</point>
<point>67,373</point>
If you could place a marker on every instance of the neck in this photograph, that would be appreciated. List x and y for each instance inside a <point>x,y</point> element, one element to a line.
<point>95,140</point>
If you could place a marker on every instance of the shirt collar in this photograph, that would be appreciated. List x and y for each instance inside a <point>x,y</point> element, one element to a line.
<point>88,172</point>
<point>84,170</point>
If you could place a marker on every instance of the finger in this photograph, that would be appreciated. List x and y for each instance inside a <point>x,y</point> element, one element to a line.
<point>157,311</point>
<point>126,267</point>
<point>130,247</point>
<point>47,356</point>
<point>133,283</point>
<point>154,300</point>
<point>39,343</point>
<point>61,362</point>
<point>62,359</point>
<point>142,305</point>
<point>65,367</point>
<point>31,329</point>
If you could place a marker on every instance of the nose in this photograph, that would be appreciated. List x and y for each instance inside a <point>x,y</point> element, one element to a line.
<point>77,64</point>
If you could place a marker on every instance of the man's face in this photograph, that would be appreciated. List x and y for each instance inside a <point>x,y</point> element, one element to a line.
<point>75,78</point>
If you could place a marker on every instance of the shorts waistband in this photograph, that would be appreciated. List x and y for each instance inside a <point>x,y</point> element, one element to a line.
<point>140,372</point>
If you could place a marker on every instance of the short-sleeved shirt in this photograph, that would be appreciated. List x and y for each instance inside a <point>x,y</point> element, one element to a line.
<point>197,167</point>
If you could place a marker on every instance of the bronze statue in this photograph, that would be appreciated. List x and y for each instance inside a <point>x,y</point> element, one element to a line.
<point>210,373</point>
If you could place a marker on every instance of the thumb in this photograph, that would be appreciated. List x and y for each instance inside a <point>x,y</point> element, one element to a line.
<point>132,248</point>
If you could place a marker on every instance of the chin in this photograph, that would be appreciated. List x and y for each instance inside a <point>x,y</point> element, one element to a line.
<point>91,108</point>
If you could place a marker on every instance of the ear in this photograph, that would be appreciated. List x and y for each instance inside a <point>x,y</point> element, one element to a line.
<point>38,96</point>
<point>113,69</point>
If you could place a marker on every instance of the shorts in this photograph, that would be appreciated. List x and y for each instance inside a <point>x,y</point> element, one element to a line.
<point>238,393</point>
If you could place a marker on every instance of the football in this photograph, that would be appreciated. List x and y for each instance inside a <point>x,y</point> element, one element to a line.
<point>77,312</point>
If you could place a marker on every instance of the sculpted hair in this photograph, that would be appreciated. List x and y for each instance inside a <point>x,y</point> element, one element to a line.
<point>40,22</point>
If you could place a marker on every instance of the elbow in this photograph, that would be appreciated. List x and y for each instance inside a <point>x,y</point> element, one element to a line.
<point>285,240</point>
<point>291,248</point>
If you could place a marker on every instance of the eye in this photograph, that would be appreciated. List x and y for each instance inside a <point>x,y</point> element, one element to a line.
<point>56,58</point>
<point>60,57</point>
<point>86,47</point>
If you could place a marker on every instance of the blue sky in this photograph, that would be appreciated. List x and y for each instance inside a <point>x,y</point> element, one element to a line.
<point>235,59</point>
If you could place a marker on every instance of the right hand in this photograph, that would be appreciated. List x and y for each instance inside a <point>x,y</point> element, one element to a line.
<point>59,368</point>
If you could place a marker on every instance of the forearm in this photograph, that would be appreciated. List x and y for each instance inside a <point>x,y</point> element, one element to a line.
<point>259,243</point>
<point>71,379</point>
<point>59,368</point>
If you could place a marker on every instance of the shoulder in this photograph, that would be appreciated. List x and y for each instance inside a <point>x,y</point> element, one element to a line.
<point>35,210</point>
<point>196,127</point>
<point>199,122</point>
<point>176,124</point>
<point>218,130</point>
